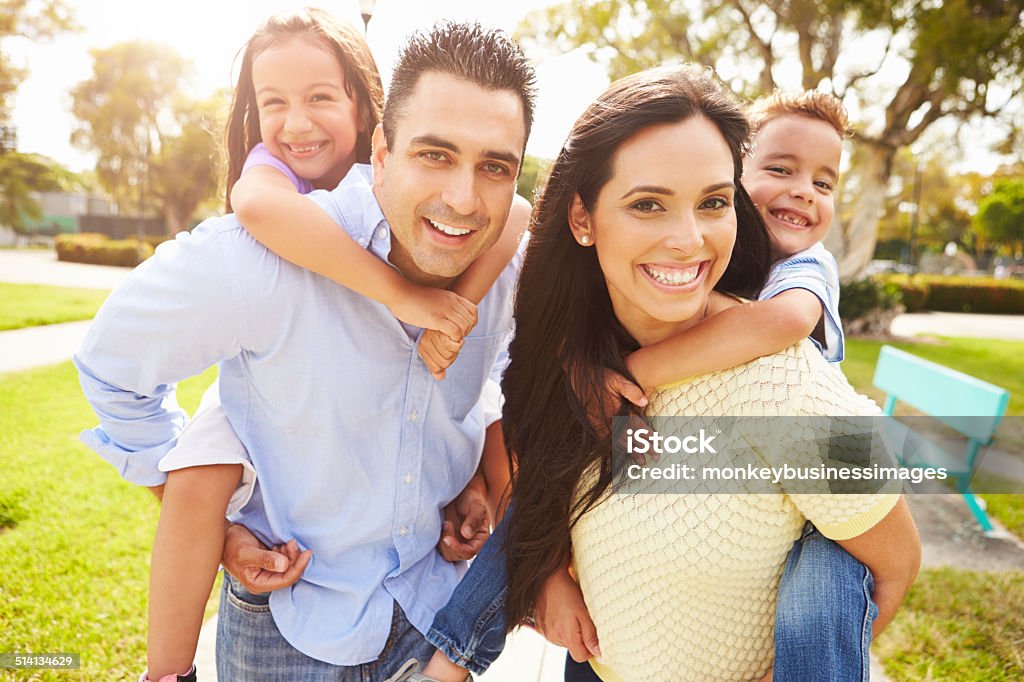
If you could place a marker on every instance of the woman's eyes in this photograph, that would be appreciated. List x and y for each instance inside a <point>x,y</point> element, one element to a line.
<point>645,206</point>
<point>321,98</point>
<point>823,184</point>
<point>781,170</point>
<point>715,204</point>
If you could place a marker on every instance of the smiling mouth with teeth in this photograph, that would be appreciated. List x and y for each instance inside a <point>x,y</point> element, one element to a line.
<point>672,276</point>
<point>296,149</point>
<point>789,218</point>
<point>448,229</point>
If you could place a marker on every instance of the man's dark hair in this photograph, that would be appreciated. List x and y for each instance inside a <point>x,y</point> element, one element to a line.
<point>487,57</point>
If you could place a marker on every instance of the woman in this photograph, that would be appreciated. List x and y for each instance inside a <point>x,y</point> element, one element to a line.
<point>643,230</point>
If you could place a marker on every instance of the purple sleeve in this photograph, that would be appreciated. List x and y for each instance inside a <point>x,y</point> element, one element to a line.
<point>260,156</point>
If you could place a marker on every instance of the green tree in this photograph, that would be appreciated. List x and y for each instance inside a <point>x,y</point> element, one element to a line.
<point>533,172</point>
<point>187,169</point>
<point>1000,217</point>
<point>21,175</point>
<point>31,19</point>
<point>955,58</point>
<point>121,110</point>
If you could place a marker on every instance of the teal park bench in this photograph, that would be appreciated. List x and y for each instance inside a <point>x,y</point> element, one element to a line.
<point>971,406</point>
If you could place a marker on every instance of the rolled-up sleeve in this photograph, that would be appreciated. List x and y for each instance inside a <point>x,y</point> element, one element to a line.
<point>176,315</point>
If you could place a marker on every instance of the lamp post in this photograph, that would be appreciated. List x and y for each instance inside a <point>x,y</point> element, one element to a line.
<point>366,10</point>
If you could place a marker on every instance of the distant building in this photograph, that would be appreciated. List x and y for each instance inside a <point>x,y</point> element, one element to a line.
<point>67,212</point>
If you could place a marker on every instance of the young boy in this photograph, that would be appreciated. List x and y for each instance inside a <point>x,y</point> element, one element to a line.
<point>791,174</point>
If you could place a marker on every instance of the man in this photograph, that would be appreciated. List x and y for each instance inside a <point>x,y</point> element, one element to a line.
<point>356,446</point>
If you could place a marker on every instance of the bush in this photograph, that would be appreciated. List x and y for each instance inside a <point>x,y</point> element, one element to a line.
<point>868,305</point>
<point>960,294</point>
<point>97,249</point>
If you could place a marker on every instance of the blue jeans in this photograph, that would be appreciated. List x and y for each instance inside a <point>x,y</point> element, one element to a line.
<point>823,615</point>
<point>470,629</point>
<point>251,649</point>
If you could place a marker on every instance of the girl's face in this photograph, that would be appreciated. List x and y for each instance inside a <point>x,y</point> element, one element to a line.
<point>306,118</point>
<point>663,226</point>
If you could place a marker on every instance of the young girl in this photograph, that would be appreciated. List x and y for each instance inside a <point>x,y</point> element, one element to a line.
<point>307,101</point>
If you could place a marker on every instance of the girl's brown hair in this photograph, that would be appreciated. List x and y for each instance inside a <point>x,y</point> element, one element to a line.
<point>567,333</point>
<point>346,43</point>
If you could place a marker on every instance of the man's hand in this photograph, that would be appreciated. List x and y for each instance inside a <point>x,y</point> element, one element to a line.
<point>562,617</point>
<point>431,308</point>
<point>260,569</point>
<point>469,514</point>
<point>438,351</point>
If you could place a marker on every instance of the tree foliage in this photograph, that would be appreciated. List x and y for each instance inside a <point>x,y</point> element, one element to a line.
<point>1000,215</point>
<point>34,20</point>
<point>21,175</point>
<point>151,141</point>
<point>952,58</point>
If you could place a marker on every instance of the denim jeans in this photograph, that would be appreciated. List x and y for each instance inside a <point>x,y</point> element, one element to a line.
<point>251,649</point>
<point>823,615</point>
<point>470,629</point>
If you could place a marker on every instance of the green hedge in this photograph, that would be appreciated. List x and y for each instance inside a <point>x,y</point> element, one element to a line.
<point>960,294</point>
<point>97,249</point>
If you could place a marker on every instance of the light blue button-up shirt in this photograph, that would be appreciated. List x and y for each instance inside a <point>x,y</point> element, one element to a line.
<point>356,447</point>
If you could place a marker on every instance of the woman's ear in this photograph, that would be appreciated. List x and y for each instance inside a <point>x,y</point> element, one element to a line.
<point>579,222</point>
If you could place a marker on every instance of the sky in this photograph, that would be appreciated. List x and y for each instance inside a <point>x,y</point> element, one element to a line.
<point>210,32</point>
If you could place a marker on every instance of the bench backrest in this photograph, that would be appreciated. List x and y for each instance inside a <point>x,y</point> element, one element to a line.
<point>971,406</point>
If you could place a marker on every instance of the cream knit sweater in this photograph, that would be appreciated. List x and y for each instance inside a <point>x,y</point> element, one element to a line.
<point>683,586</point>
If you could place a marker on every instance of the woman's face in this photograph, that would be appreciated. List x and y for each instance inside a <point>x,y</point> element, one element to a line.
<point>663,226</point>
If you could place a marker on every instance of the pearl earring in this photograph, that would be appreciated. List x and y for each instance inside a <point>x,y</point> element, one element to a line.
<point>584,240</point>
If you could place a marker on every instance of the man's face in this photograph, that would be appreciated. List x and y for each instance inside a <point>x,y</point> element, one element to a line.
<point>447,184</point>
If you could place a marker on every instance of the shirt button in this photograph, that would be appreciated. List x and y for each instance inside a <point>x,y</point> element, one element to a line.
<point>408,478</point>
<point>382,233</point>
<point>403,531</point>
<point>414,416</point>
<point>362,242</point>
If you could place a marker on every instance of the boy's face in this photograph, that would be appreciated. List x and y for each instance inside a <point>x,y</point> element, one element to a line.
<point>791,176</point>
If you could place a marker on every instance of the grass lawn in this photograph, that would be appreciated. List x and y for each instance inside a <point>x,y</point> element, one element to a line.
<point>958,625</point>
<point>31,305</point>
<point>76,559</point>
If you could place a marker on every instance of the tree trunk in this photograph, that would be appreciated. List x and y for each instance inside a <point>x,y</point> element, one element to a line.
<point>174,222</point>
<point>853,243</point>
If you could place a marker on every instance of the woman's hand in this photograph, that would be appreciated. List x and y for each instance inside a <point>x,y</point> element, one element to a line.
<point>562,617</point>
<point>260,569</point>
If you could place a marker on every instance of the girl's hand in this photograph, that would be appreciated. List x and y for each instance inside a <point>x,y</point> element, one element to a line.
<point>562,617</point>
<point>438,351</point>
<point>439,309</point>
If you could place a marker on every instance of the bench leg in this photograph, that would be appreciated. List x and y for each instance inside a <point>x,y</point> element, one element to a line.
<point>979,513</point>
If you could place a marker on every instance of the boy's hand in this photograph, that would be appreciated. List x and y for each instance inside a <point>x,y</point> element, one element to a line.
<point>438,351</point>
<point>439,309</point>
<point>617,389</point>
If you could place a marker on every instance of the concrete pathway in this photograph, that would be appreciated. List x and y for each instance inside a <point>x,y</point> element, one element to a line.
<point>1010,327</point>
<point>40,266</point>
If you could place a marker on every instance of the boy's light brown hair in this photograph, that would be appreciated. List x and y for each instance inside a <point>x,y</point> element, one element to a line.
<point>810,103</point>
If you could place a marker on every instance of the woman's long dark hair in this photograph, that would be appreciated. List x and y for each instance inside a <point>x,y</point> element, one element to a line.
<point>566,330</point>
